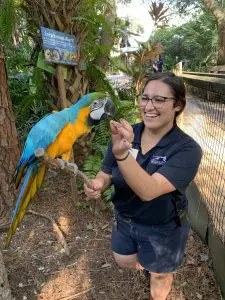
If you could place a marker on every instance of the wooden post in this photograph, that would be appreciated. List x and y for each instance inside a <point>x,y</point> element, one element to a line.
<point>63,104</point>
<point>61,86</point>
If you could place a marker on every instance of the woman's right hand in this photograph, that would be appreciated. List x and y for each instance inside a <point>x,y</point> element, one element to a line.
<point>122,137</point>
<point>95,191</point>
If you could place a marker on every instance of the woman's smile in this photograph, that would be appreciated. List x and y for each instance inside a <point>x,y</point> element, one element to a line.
<point>150,115</point>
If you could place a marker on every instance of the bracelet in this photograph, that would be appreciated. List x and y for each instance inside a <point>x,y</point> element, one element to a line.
<point>121,159</point>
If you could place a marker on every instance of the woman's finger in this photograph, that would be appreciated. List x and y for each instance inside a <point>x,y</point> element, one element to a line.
<point>126,124</point>
<point>114,127</point>
<point>127,134</point>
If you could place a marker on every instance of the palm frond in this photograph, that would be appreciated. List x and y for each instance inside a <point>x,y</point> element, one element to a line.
<point>92,165</point>
<point>7,20</point>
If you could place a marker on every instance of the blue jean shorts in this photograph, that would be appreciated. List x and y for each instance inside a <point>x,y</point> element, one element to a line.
<point>160,248</point>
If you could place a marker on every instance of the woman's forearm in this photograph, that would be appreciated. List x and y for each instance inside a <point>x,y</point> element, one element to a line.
<point>143,184</point>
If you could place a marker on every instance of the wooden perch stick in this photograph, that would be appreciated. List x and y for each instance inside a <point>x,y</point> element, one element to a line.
<point>55,228</point>
<point>55,164</point>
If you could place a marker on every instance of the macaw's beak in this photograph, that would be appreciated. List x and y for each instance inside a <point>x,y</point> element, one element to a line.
<point>110,109</point>
<point>101,110</point>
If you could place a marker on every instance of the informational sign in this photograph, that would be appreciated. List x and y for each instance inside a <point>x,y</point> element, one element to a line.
<point>59,47</point>
<point>49,67</point>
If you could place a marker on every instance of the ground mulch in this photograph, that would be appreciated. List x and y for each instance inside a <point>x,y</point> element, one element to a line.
<point>38,267</point>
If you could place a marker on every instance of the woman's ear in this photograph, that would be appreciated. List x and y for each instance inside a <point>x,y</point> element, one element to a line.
<point>178,106</point>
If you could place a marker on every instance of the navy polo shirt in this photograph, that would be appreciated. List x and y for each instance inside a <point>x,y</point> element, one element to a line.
<point>176,157</point>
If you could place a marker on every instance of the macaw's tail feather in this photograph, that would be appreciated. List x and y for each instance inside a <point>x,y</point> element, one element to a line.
<point>32,182</point>
<point>21,170</point>
<point>18,175</point>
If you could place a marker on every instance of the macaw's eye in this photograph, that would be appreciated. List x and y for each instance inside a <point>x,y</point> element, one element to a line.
<point>95,103</point>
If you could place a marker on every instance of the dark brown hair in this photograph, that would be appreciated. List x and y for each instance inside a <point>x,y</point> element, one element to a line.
<point>176,84</point>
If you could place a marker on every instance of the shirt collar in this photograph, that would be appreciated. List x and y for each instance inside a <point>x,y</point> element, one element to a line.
<point>170,137</point>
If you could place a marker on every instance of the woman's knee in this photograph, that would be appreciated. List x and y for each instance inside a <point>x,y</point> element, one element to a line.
<point>161,276</point>
<point>127,261</point>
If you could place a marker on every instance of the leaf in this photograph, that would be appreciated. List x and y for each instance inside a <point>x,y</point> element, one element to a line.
<point>104,226</point>
<point>107,265</point>
<point>199,296</point>
<point>89,227</point>
<point>204,257</point>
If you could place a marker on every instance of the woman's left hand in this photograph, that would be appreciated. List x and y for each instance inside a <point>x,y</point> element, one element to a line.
<point>122,137</point>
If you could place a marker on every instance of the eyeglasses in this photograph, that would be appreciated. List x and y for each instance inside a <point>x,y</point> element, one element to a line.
<point>157,101</point>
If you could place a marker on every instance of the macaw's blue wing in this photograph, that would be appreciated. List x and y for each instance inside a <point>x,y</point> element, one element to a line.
<point>41,135</point>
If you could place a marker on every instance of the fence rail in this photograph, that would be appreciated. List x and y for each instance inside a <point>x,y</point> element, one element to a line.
<point>216,75</point>
<point>204,120</point>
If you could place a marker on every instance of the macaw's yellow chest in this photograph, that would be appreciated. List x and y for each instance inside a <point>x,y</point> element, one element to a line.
<point>69,134</point>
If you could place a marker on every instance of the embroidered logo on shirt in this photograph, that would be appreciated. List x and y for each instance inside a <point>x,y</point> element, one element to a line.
<point>158,160</point>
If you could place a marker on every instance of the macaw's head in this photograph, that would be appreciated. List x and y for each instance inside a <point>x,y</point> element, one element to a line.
<point>101,107</point>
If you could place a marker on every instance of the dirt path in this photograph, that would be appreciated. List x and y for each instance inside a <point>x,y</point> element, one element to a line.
<point>39,269</point>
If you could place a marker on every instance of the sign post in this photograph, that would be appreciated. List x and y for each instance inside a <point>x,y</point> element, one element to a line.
<point>61,86</point>
<point>59,48</point>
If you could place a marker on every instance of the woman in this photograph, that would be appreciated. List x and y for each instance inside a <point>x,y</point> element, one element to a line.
<point>151,228</point>
<point>158,65</point>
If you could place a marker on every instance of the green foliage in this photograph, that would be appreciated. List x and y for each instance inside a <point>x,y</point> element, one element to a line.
<point>92,165</point>
<point>126,91</point>
<point>26,83</point>
<point>98,79</point>
<point>101,137</point>
<point>127,110</point>
<point>29,99</point>
<point>7,20</point>
<point>195,41</point>
<point>184,6</point>
<point>18,57</point>
<point>92,18</point>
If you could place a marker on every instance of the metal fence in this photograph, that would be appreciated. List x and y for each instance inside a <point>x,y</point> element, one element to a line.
<point>204,120</point>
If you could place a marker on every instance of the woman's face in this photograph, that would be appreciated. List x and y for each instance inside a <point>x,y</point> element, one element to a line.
<point>160,113</point>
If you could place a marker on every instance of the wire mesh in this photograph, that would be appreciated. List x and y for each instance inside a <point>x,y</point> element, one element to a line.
<point>204,120</point>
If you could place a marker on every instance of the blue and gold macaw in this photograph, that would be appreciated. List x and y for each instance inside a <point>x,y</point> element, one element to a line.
<point>55,133</point>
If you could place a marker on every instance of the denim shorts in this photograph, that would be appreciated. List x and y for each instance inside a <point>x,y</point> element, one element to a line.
<point>160,248</point>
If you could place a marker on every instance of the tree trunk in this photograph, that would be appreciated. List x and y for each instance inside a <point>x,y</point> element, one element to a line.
<point>107,36</point>
<point>9,146</point>
<point>219,14</point>
<point>5,292</point>
<point>221,53</point>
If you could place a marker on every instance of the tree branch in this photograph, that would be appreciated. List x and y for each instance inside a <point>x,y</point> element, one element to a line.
<point>55,228</point>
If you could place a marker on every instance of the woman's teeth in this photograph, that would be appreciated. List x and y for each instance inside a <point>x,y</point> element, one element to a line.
<point>150,115</point>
